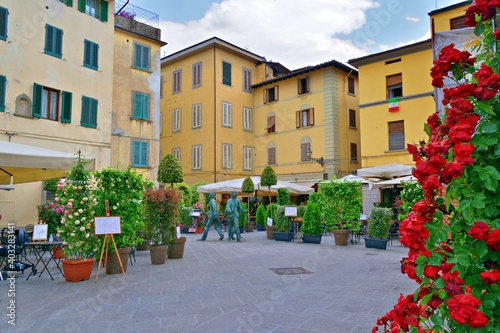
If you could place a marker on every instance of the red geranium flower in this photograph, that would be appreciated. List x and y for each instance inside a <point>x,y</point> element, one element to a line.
<point>493,240</point>
<point>479,230</point>
<point>491,277</point>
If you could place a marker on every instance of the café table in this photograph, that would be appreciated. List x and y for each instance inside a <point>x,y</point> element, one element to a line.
<point>44,254</point>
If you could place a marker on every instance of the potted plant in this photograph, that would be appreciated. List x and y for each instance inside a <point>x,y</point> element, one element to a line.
<point>312,226</point>
<point>269,214</point>
<point>77,225</point>
<point>160,206</point>
<point>378,228</point>
<point>283,226</point>
<point>242,222</point>
<point>50,213</point>
<point>260,218</point>
<point>248,187</point>
<point>341,203</point>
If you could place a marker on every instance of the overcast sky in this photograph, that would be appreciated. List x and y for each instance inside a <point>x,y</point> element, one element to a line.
<point>296,33</point>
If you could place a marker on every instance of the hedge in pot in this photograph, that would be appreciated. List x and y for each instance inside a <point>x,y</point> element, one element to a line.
<point>283,226</point>
<point>77,224</point>
<point>378,228</point>
<point>312,226</point>
<point>260,218</point>
<point>160,210</point>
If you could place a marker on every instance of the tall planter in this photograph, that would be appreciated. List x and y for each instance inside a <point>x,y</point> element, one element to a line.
<point>77,270</point>
<point>374,243</point>
<point>313,239</point>
<point>176,248</point>
<point>270,231</point>
<point>341,237</point>
<point>158,254</point>
<point>113,266</point>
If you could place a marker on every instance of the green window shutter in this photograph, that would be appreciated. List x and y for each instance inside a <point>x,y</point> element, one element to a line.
<point>145,107</point>
<point>69,2</point>
<point>86,53</point>
<point>93,113</point>
<point>37,100</point>
<point>2,93</point>
<point>137,103</point>
<point>145,57</point>
<point>49,35</point>
<point>85,111</point>
<point>136,153</point>
<point>95,56</point>
<point>67,99</point>
<point>81,5</point>
<point>4,13</point>
<point>137,55</point>
<point>144,154</point>
<point>104,11</point>
<point>58,42</point>
<point>90,55</point>
<point>226,73</point>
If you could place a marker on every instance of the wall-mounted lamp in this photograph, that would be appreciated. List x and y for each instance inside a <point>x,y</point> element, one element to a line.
<point>317,160</point>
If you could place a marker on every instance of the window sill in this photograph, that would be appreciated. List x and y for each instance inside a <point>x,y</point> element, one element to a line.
<point>140,119</point>
<point>353,128</point>
<point>148,70</point>
<point>351,94</point>
<point>396,151</point>
<point>267,103</point>
<point>304,94</point>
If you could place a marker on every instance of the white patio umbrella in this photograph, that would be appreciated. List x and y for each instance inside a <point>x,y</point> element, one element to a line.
<point>392,182</point>
<point>234,185</point>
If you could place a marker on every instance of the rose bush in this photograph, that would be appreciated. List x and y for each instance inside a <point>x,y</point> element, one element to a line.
<point>454,241</point>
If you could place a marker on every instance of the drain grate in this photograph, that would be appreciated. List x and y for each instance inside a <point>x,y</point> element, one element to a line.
<point>371,254</point>
<point>290,271</point>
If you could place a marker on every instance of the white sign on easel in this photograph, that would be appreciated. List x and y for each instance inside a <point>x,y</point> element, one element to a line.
<point>107,225</point>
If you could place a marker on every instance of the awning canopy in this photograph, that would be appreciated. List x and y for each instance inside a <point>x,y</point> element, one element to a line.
<point>387,171</point>
<point>392,182</point>
<point>234,185</point>
<point>27,164</point>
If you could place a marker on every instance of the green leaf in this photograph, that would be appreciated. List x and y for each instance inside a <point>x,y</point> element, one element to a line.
<point>479,29</point>
<point>489,304</point>
<point>426,299</point>
<point>489,127</point>
<point>463,259</point>
<point>420,260</point>
<point>478,201</point>
<point>440,283</point>
<point>481,249</point>
<point>437,319</point>
<point>435,259</point>
<point>464,204</point>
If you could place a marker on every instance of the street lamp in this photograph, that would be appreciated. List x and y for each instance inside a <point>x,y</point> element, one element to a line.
<point>317,160</point>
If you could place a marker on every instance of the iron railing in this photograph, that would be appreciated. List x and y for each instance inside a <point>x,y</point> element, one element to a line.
<point>137,13</point>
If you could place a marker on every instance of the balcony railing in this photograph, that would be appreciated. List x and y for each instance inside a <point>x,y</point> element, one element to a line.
<point>137,14</point>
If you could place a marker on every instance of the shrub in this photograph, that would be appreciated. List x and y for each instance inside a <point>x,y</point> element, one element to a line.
<point>380,222</point>
<point>312,224</point>
<point>261,217</point>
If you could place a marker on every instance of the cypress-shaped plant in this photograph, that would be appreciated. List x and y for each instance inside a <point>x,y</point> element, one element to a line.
<point>261,216</point>
<point>312,224</point>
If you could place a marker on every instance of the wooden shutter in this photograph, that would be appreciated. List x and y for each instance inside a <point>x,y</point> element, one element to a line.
<point>350,85</point>
<point>394,79</point>
<point>457,23</point>
<point>145,57</point>
<point>69,2</point>
<point>136,153</point>
<point>85,111</point>
<point>311,117</point>
<point>137,55</point>
<point>81,5</point>
<point>95,56</point>
<point>67,99</point>
<point>145,107</point>
<point>354,152</point>
<point>396,135</point>
<point>144,162</point>
<point>137,105</point>
<point>271,156</point>
<point>352,118</point>
<point>2,93</point>
<point>86,53</point>
<point>37,100</point>
<point>298,119</point>
<point>3,23</point>
<point>103,10</point>
<point>49,35</point>
<point>93,112</point>
<point>58,35</point>
<point>226,73</point>
<point>276,93</point>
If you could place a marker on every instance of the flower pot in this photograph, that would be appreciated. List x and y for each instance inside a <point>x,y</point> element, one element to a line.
<point>376,243</point>
<point>185,230</point>
<point>199,230</point>
<point>260,227</point>
<point>314,239</point>
<point>144,246</point>
<point>158,254</point>
<point>113,266</point>
<point>249,226</point>
<point>283,236</point>
<point>176,248</point>
<point>341,237</point>
<point>270,231</point>
<point>58,254</point>
<point>77,270</point>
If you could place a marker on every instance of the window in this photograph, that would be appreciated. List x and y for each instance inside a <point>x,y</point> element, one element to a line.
<point>247,119</point>
<point>271,94</point>
<point>89,112</point>
<point>397,135</point>
<point>67,2</point>
<point>196,157</point>
<point>350,86</point>
<point>271,155</point>
<point>226,73</point>
<point>91,55</point>
<point>177,153</point>
<point>176,81</point>
<point>53,41</point>
<point>94,8</point>
<point>247,158</point>
<point>140,154</point>
<point>197,75</point>
<point>304,118</point>
<point>303,85</point>
<point>227,156</point>
<point>458,23</point>
<point>3,84</point>
<point>394,86</point>
<point>161,86</point>
<point>141,56</point>
<point>227,114</point>
<point>247,80</point>
<point>271,124</point>
<point>140,105</point>
<point>354,152</point>
<point>304,149</point>
<point>4,13</point>
<point>196,116</point>
<point>176,120</point>
<point>46,104</point>
<point>352,118</point>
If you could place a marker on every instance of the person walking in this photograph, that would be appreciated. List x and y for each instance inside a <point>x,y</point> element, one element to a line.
<point>233,210</point>
<point>213,218</point>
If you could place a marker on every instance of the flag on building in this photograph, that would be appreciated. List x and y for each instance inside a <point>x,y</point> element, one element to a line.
<point>393,104</point>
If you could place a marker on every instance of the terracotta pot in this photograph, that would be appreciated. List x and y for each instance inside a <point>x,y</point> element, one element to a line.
<point>113,266</point>
<point>77,270</point>
<point>58,253</point>
<point>249,226</point>
<point>158,254</point>
<point>341,236</point>
<point>199,230</point>
<point>176,249</point>
<point>144,246</point>
<point>270,231</point>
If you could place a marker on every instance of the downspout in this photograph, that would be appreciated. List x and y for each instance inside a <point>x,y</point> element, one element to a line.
<point>215,118</point>
<point>126,3</point>
<point>346,135</point>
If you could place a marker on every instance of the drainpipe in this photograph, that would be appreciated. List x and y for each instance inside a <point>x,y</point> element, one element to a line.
<point>126,3</point>
<point>215,117</point>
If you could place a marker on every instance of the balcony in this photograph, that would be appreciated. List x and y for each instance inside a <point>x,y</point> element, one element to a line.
<point>137,20</point>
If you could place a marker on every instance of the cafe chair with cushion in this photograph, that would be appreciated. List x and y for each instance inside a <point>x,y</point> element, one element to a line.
<point>15,265</point>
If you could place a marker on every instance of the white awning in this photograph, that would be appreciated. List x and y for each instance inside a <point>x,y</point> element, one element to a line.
<point>386,171</point>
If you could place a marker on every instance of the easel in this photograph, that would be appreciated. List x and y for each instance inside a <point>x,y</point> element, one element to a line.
<point>105,247</point>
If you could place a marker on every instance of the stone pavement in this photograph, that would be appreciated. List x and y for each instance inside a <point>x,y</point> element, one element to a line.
<point>220,286</point>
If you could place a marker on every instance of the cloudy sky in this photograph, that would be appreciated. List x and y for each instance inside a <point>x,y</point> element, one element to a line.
<point>296,33</point>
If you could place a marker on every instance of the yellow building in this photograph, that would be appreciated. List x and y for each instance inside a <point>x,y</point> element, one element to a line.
<point>306,123</point>
<point>56,77</point>
<point>136,91</point>
<point>402,74</point>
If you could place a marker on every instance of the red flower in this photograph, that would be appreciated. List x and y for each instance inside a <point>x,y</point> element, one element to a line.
<point>478,320</point>
<point>431,271</point>
<point>493,240</point>
<point>497,33</point>
<point>451,171</point>
<point>491,277</point>
<point>463,309</point>
<point>479,230</point>
<point>463,150</point>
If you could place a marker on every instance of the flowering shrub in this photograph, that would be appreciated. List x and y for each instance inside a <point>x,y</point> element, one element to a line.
<point>77,224</point>
<point>454,248</point>
<point>50,213</point>
<point>160,210</point>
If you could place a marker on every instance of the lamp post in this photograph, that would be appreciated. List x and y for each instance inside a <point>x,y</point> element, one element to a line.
<point>317,160</point>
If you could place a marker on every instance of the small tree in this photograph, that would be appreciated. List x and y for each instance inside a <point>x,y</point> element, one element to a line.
<point>248,187</point>
<point>260,217</point>
<point>312,224</point>
<point>283,198</point>
<point>268,178</point>
<point>170,171</point>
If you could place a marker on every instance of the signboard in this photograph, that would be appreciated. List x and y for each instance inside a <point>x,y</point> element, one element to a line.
<point>40,232</point>
<point>291,211</point>
<point>107,225</point>
<point>269,221</point>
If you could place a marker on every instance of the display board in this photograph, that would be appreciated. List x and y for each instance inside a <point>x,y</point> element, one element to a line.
<point>291,211</point>
<point>40,232</point>
<point>107,225</point>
